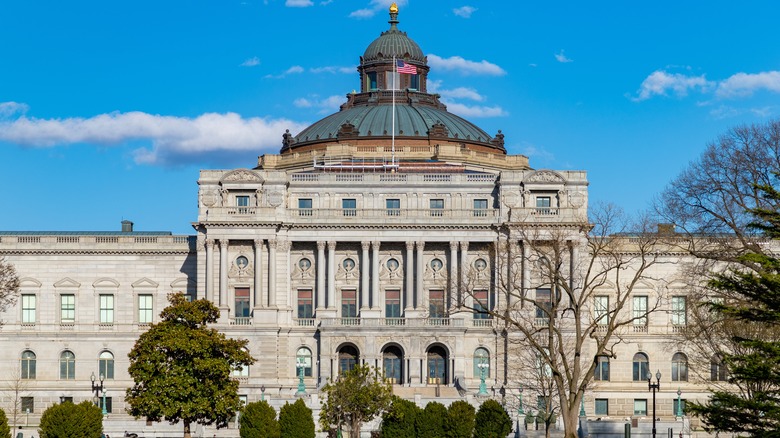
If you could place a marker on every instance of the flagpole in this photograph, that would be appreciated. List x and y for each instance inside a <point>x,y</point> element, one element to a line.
<point>395,66</point>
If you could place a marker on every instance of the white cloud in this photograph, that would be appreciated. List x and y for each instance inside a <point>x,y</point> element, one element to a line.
<point>333,69</point>
<point>9,109</point>
<point>537,153</point>
<point>325,106</point>
<point>745,84</point>
<point>251,62</point>
<point>661,82</point>
<point>475,111</point>
<point>560,57</point>
<point>296,69</point>
<point>298,3</point>
<point>375,6</point>
<point>462,93</point>
<point>465,66</point>
<point>464,11</point>
<point>170,136</point>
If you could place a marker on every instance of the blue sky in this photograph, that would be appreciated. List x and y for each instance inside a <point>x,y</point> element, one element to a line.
<point>109,109</point>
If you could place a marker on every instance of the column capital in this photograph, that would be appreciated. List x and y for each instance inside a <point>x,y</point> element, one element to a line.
<point>420,245</point>
<point>321,245</point>
<point>209,243</point>
<point>464,246</point>
<point>409,246</point>
<point>259,243</point>
<point>454,245</point>
<point>272,243</point>
<point>284,244</point>
<point>376,244</point>
<point>365,245</point>
<point>331,245</point>
<point>223,243</point>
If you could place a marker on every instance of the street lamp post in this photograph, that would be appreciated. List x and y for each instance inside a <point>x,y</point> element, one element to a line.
<point>262,392</point>
<point>679,412</point>
<point>520,412</point>
<point>654,387</point>
<point>301,387</point>
<point>482,386</point>
<point>97,389</point>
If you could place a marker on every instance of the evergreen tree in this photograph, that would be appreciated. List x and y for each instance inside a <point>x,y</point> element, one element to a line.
<point>353,398</point>
<point>492,421</point>
<point>400,419</point>
<point>296,420</point>
<point>258,420</point>
<point>460,420</point>
<point>753,297</point>
<point>5,429</point>
<point>182,368</point>
<point>66,420</point>
<point>430,422</point>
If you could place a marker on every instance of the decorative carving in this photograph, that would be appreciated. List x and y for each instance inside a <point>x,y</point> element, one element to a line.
<point>287,140</point>
<point>284,245</point>
<point>545,176</point>
<point>223,243</point>
<point>409,246</point>
<point>272,244</point>
<point>375,244</point>
<point>576,199</point>
<point>275,198</point>
<point>259,243</point>
<point>498,140</point>
<point>420,245</point>
<point>365,245</point>
<point>347,130</point>
<point>511,199</point>
<point>331,245</point>
<point>258,197</point>
<point>320,246</point>
<point>208,197</point>
<point>209,243</point>
<point>438,129</point>
<point>242,175</point>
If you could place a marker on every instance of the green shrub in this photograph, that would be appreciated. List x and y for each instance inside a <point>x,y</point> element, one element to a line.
<point>430,422</point>
<point>399,421</point>
<point>66,420</point>
<point>492,421</point>
<point>296,420</point>
<point>5,429</point>
<point>460,420</point>
<point>258,420</point>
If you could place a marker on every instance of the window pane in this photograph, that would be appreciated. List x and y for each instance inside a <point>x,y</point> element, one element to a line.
<point>106,309</point>
<point>67,365</point>
<point>349,303</point>
<point>393,207</point>
<point>543,303</point>
<point>641,367</point>
<point>481,357</point>
<point>304,207</point>
<point>145,311</point>
<point>436,206</point>
<point>436,303</point>
<point>480,207</point>
<point>601,307</point>
<point>28,365</point>
<point>640,309</point>
<point>305,303</point>
<point>481,304</point>
<point>28,405</point>
<point>602,368</point>
<point>349,206</point>
<point>678,310</point>
<point>602,406</point>
<point>542,202</point>
<point>106,368</point>
<point>67,308</point>
<point>241,302</point>
<point>28,309</point>
<point>393,303</point>
<point>640,406</point>
<point>303,357</point>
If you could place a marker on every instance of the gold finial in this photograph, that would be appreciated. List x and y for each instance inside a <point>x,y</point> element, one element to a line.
<point>393,8</point>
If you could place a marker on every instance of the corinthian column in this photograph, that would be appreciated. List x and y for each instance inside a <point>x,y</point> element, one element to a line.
<point>259,299</point>
<point>409,271</point>
<point>331,275</point>
<point>272,273</point>
<point>420,274</point>
<point>364,267</point>
<point>454,295</point>
<point>223,271</point>
<point>320,275</point>
<point>210,270</point>
<point>374,273</point>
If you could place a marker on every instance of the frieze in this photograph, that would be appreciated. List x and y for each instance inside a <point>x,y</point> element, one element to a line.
<point>545,176</point>
<point>242,175</point>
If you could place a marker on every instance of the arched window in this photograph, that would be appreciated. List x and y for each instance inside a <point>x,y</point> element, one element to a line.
<point>437,366</point>
<point>679,367</point>
<point>641,367</point>
<point>67,365</point>
<point>392,363</point>
<point>28,364</point>
<point>106,364</point>
<point>718,371</point>
<point>348,358</point>
<point>481,356</point>
<point>303,357</point>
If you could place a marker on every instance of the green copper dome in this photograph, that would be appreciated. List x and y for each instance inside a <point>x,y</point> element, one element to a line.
<point>393,42</point>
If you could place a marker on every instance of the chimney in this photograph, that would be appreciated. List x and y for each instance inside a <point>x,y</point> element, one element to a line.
<point>127,226</point>
<point>666,229</point>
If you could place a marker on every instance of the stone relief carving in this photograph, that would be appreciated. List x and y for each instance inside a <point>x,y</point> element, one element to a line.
<point>275,198</point>
<point>511,199</point>
<point>545,176</point>
<point>208,197</point>
<point>242,175</point>
<point>576,199</point>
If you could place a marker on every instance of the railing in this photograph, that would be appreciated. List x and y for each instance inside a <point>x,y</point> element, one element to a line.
<point>304,322</point>
<point>482,323</point>
<point>391,322</point>
<point>67,325</point>
<point>434,178</point>
<point>541,322</point>
<point>106,326</point>
<point>241,210</point>
<point>241,320</point>
<point>678,328</point>
<point>350,321</point>
<point>401,213</point>
<point>544,211</point>
<point>640,328</point>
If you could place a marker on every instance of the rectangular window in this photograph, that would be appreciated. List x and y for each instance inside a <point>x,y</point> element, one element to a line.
<point>393,303</point>
<point>28,309</point>
<point>679,310</point>
<point>242,202</point>
<point>242,302</point>
<point>437,207</point>
<point>640,310</point>
<point>28,405</point>
<point>602,406</point>
<point>480,207</point>
<point>348,303</point>
<point>371,81</point>
<point>392,80</point>
<point>543,204</point>
<point>305,207</point>
<point>481,304</point>
<point>543,303</point>
<point>349,206</point>
<point>67,308</point>
<point>601,309</point>
<point>106,309</point>
<point>393,207</point>
<point>414,82</point>
<point>640,406</point>
<point>305,304</point>
<point>66,399</point>
<point>145,309</point>
<point>436,303</point>
<point>602,368</point>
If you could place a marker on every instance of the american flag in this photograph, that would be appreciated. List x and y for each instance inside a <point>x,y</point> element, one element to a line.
<point>402,67</point>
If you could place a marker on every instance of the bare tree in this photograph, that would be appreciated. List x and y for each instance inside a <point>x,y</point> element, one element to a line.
<point>9,285</point>
<point>17,388</point>
<point>564,295</point>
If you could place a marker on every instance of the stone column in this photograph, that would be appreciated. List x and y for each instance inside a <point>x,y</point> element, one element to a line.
<point>331,275</point>
<point>420,274</point>
<point>455,291</point>
<point>513,268</point>
<point>375,273</point>
<point>526,280</point>
<point>573,254</point>
<point>320,275</point>
<point>259,298</point>
<point>409,271</point>
<point>272,272</point>
<point>464,269</point>
<point>223,271</point>
<point>364,267</point>
<point>210,270</point>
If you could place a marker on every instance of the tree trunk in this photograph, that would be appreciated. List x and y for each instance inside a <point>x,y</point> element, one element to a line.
<point>187,430</point>
<point>571,420</point>
<point>354,429</point>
